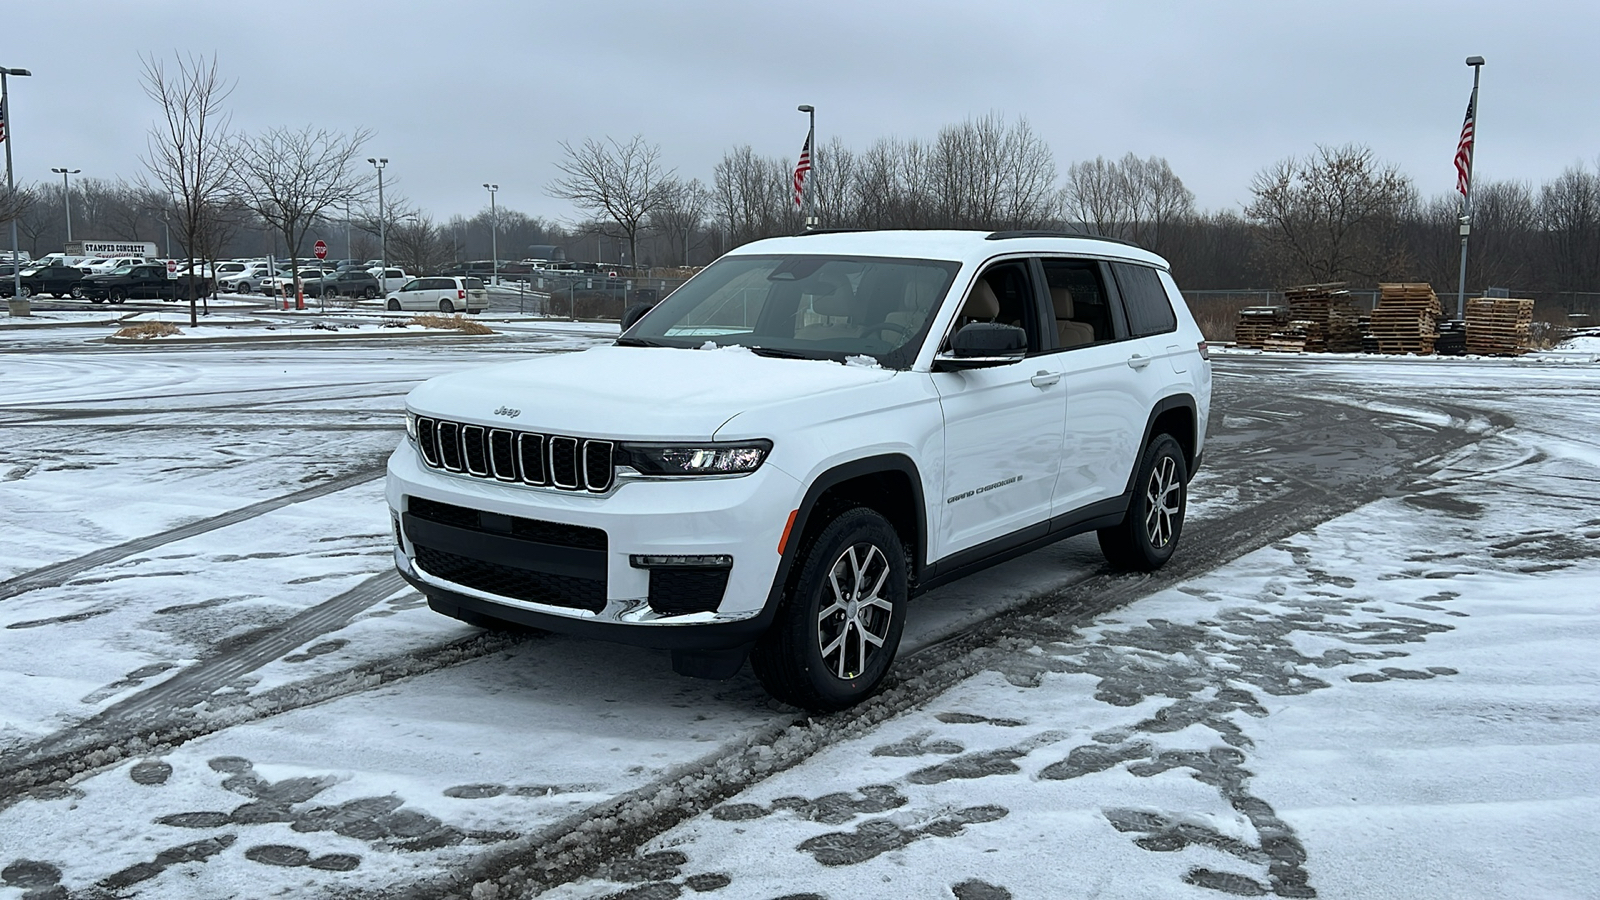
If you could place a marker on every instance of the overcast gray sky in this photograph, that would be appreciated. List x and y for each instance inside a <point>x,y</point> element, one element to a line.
<point>469,91</point>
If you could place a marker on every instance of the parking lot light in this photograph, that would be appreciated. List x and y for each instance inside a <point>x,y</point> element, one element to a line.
<point>19,306</point>
<point>66,194</point>
<point>494,235</point>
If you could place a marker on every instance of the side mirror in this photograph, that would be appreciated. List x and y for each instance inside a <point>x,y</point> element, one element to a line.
<point>981,345</point>
<point>634,314</point>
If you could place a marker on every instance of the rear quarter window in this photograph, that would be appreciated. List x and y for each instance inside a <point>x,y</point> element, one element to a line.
<point>1144,299</point>
<point>473,284</point>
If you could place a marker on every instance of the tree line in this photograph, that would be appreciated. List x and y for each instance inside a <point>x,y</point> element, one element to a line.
<point>1337,213</point>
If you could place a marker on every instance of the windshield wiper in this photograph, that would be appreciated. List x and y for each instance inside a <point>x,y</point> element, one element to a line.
<point>637,342</point>
<point>778,353</point>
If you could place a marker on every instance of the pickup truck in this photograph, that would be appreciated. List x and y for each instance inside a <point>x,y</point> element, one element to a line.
<point>141,282</point>
<point>56,280</point>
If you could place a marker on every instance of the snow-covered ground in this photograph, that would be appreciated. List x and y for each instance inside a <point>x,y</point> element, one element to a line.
<point>213,685</point>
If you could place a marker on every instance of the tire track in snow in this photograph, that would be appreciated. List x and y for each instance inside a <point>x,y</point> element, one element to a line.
<point>57,574</point>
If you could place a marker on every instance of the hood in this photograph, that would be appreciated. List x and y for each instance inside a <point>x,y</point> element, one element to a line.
<point>637,393</point>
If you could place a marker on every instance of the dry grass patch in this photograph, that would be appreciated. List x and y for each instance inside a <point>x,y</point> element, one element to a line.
<point>147,330</point>
<point>452,323</point>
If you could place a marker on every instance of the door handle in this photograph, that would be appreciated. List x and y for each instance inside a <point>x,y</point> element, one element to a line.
<point>1044,379</point>
<point>1137,361</point>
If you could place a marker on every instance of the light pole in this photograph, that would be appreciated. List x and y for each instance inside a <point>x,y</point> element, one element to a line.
<point>383,233</point>
<point>494,235</point>
<point>11,187</point>
<point>66,194</point>
<point>811,153</point>
<point>1469,139</point>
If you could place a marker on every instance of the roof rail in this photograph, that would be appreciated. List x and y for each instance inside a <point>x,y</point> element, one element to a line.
<point>1008,235</point>
<point>829,231</point>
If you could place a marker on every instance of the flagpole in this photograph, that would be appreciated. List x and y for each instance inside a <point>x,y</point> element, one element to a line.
<point>1476,62</point>
<point>809,206</point>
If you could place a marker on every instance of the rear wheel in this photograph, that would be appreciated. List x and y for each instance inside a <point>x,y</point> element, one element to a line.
<point>1147,537</point>
<point>329,294</point>
<point>77,292</point>
<point>839,627</point>
<point>26,292</point>
<point>445,306</point>
<point>370,293</point>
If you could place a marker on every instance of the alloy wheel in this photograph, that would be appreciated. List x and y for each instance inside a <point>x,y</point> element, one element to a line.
<point>854,625</point>
<point>1163,502</point>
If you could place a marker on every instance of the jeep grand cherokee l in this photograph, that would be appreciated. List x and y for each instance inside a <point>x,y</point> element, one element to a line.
<point>776,457</point>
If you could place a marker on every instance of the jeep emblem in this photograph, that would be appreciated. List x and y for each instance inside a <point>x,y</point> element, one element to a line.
<point>508,412</point>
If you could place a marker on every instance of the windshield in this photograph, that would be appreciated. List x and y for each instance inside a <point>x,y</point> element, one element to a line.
<point>817,307</point>
<point>122,270</point>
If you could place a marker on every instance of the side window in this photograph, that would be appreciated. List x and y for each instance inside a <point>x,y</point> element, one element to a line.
<point>1004,293</point>
<point>1080,302</point>
<point>1145,300</point>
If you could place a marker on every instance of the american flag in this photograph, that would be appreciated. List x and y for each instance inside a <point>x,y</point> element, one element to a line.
<point>800,170</point>
<point>2,121</point>
<point>1464,148</point>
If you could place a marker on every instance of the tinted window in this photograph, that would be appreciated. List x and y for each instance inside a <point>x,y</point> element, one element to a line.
<point>1080,302</point>
<point>473,284</point>
<point>1145,300</point>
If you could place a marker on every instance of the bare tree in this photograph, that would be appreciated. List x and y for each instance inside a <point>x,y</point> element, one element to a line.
<point>681,213</point>
<point>186,151</point>
<point>418,245</point>
<point>1333,216</point>
<point>1132,198</point>
<point>17,203</point>
<point>1569,210</point>
<point>293,177</point>
<point>621,182</point>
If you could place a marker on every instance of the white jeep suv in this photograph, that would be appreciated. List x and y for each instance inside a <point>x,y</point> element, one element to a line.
<point>775,458</point>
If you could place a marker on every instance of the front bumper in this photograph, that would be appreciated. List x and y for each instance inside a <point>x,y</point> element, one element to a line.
<point>610,597</point>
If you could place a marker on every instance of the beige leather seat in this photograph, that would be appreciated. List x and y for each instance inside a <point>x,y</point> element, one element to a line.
<point>838,305</point>
<point>982,305</point>
<point>1068,332</point>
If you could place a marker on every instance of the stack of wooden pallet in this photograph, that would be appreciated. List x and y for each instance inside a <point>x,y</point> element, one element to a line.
<point>1256,324</point>
<point>1330,317</point>
<point>1407,318</point>
<point>1291,339</point>
<point>1498,326</point>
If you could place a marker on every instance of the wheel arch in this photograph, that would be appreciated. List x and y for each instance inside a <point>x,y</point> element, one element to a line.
<point>1178,416</point>
<point>889,484</point>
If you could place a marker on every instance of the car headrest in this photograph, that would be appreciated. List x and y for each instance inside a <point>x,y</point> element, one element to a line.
<point>981,303</point>
<point>840,302</point>
<point>1061,299</point>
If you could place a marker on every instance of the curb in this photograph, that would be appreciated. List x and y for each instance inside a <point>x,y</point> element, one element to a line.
<point>279,338</point>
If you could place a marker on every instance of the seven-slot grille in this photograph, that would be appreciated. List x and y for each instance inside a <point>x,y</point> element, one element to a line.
<point>544,460</point>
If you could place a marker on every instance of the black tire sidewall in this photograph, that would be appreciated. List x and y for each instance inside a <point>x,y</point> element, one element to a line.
<point>1128,545</point>
<point>791,664</point>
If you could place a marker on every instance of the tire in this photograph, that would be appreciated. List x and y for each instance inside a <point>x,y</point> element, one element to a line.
<point>394,306</point>
<point>370,293</point>
<point>77,293</point>
<point>329,294</point>
<point>446,307</point>
<point>26,292</point>
<point>118,295</point>
<point>1147,537</point>
<point>857,553</point>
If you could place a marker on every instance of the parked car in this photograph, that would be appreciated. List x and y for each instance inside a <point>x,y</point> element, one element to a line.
<point>345,283</point>
<point>390,279</point>
<point>146,281</point>
<point>447,295</point>
<point>99,266</point>
<point>56,281</point>
<point>991,393</point>
<point>278,284</point>
<point>249,280</point>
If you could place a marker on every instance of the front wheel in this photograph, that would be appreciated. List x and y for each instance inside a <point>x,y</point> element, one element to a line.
<point>839,627</point>
<point>394,305</point>
<point>1146,538</point>
<point>118,295</point>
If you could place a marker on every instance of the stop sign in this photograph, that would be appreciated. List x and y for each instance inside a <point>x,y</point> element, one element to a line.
<point>320,249</point>
<point>172,268</point>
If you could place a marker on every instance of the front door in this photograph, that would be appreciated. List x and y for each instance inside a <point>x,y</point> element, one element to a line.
<point>1003,429</point>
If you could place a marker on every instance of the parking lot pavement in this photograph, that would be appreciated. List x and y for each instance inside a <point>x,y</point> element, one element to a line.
<point>214,686</point>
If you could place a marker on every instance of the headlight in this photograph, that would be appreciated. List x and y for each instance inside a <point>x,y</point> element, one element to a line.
<point>739,458</point>
<point>411,426</point>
